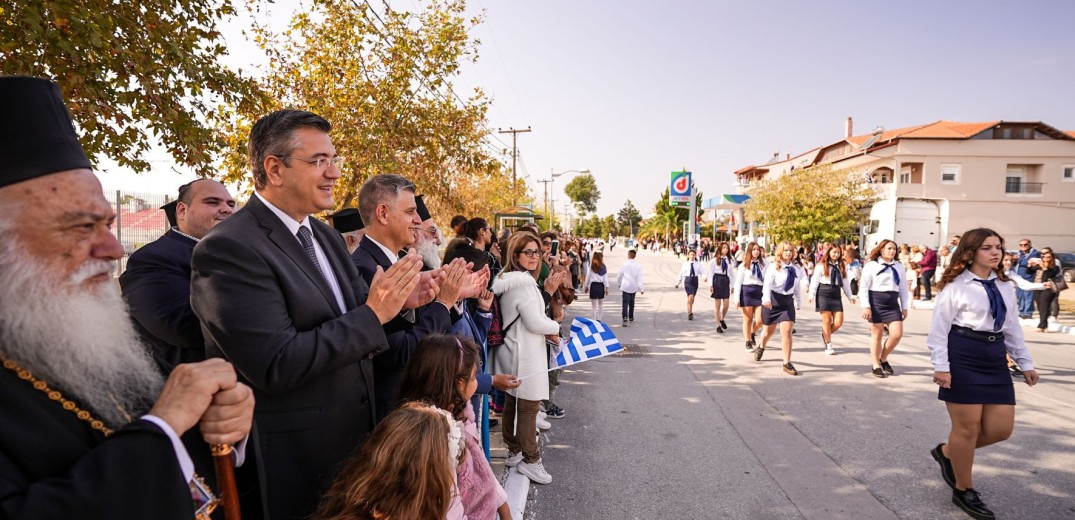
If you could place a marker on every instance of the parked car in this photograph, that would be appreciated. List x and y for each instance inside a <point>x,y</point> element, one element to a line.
<point>1067,266</point>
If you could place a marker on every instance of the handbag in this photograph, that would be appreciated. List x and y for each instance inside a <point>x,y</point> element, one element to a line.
<point>1059,284</point>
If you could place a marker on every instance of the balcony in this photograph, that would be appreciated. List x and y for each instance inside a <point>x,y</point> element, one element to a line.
<point>1018,187</point>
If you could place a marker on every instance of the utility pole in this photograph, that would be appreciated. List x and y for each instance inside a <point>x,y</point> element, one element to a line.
<point>514,154</point>
<point>546,183</point>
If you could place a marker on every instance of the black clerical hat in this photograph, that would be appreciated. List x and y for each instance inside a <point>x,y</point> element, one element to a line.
<point>423,211</point>
<point>36,134</point>
<point>169,211</point>
<point>347,220</point>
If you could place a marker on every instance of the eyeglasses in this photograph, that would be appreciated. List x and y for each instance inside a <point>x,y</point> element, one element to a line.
<point>432,231</point>
<point>320,162</point>
<point>530,253</point>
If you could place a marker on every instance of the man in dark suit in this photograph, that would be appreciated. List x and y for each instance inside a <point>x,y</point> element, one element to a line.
<point>278,296</point>
<point>90,428</point>
<point>156,283</point>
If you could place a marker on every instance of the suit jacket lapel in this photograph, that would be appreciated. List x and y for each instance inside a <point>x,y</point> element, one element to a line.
<point>337,266</point>
<point>376,252</point>
<point>278,234</point>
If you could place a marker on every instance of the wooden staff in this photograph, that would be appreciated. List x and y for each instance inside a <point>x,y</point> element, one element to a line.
<point>225,476</point>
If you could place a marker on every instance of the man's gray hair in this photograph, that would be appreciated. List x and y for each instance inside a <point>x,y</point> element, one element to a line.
<point>381,189</point>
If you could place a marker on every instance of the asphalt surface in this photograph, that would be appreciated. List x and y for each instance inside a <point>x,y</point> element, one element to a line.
<point>687,425</point>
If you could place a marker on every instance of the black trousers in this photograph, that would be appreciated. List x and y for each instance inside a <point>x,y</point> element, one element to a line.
<point>1044,299</point>
<point>628,305</point>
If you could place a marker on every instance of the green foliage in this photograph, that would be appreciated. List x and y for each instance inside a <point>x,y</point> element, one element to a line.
<point>810,205</point>
<point>132,73</point>
<point>668,221</point>
<point>628,217</point>
<point>583,193</point>
<point>385,85</point>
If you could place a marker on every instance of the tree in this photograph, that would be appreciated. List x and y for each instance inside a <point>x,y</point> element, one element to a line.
<point>609,226</point>
<point>132,74</point>
<point>629,217</point>
<point>583,193</point>
<point>811,204</point>
<point>385,83</point>
<point>669,220</point>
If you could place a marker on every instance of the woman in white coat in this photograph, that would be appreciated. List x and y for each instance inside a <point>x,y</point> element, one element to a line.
<point>523,353</point>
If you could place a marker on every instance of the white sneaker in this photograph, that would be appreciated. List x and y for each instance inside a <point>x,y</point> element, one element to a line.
<point>513,459</point>
<point>535,472</point>
<point>829,350</point>
<point>542,414</point>
<point>543,424</point>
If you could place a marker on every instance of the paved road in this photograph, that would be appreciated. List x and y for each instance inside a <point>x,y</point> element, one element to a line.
<point>689,426</point>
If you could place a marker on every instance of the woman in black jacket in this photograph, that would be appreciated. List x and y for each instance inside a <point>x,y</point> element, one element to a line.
<point>1042,270</point>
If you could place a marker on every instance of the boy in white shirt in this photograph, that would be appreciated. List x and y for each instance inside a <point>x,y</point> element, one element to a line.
<point>630,282</point>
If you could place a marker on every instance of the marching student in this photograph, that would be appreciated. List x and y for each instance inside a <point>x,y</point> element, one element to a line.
<point>888,298</point>
<point>781,297</point>
<point>630,282</point>
<point>688,276</point>
<point>830,276</point>
<point>974,324</point>
<point>749,278</point>
<point>597,285</point>
<point>722,269</point>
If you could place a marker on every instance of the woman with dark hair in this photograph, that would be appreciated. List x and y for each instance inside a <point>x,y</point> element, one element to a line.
<point>722,270</point>
<point>829,278</point>
<point>975,322</point>
<point>749,278</point>
<point>689,274</point>
<point>1042,270</point>
<point>597,285</point>
<point>887,300</point>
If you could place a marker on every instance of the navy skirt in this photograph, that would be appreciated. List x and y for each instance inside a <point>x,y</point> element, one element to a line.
<point>979,369</point>
<point>885,306</point>
<point>783,309</point>
<point>690,284</point>
<point>750,296</point>
<point>721,287</point>
<point>828,298</point>
<point>597,291</point>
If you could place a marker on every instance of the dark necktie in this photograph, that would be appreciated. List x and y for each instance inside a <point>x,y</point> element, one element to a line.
<point>835,277</point>
<point>401,254</point>
<point>724,265</point>
<point>895,275</point>
<point>996,302</point>
<point>755,267</point>
<point>308,245</point>
<point>789,282</point>
<point>692,270</point>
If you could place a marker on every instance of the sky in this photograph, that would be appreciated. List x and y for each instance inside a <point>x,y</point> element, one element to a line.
<point>634,90</point>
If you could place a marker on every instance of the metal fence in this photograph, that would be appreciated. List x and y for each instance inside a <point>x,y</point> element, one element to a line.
<point>139,219</point>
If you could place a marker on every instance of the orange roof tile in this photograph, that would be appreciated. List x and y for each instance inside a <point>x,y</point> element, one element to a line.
<point>936,130</point>
<point>1070,132</point>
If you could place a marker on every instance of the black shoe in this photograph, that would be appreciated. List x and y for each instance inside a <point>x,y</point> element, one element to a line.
<point>947,473</point>
<point>750,347</point>
<point>723,325</point>
<point>1016,372</point>
<point>758,351</point>
<point>793,330</point>
<point>690,315</point>
<point>625,322</point>
<point>493,422</point>
<point>878,372</point>
<point>971,503</point>
<point>790,369</point>
<point>753,340</point>
<point>632,320</point>
<point>720,330</point>
<point>887,368</point>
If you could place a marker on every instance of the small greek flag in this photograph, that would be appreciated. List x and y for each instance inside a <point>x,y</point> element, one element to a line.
<point>589,340</point>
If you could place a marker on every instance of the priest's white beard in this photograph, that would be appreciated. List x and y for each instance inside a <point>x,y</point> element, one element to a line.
<point>80,341</point>
<point>430,254</point>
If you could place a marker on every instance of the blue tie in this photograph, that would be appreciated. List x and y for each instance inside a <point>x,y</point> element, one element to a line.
<point>755,268</point>
<point>692,270</point>
<point>835,277</point>
<point>789,282</point>
<point>895,275</point>
<point>996,303</point>
<point>724,265</point>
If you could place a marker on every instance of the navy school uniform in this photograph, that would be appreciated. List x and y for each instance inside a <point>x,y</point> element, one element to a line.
<point>723,272</point>
<point>975,323</point>
<point>749,279</point>
<point>887,293</point>
<point>781,289</point>
<point>689,274</point>
<point>826,288</point>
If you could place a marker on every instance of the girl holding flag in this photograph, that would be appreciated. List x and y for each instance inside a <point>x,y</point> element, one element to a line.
<point>888,298</point>
<point>829,278</point>
<point>688,275</point>
<point>781,297</point>
<point>722,269</point>
<point>975,322</point>
<point>748,286</point>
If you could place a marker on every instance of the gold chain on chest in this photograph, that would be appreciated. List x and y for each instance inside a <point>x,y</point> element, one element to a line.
<point>55,395</point>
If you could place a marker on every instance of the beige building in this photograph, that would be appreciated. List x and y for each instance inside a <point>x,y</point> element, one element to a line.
<point>940,179</point>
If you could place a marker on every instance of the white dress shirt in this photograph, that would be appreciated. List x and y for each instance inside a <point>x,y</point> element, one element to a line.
<point>775,278</point>
<point>685,271</point>
<point>964,302</point>
<point>630,277</point>
<point>715,268</point>
<point>873,279</point>
<point>293,227</point>
<point>744,275</point>
<point>819,277</point>
<point>1022,283</point>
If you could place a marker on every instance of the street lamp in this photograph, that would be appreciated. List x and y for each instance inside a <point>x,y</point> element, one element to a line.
<point>553,175</point>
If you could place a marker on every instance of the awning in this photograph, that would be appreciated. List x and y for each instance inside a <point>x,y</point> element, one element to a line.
<point>727,201</point>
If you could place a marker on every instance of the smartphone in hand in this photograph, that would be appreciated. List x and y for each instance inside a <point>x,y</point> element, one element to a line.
<point>555,248</point>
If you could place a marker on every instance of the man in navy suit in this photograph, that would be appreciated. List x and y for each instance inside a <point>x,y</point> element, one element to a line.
<point>279,297</point>
<point>156,283</point>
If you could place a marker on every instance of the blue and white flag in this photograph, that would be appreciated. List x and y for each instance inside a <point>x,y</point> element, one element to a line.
<point>589,340</point>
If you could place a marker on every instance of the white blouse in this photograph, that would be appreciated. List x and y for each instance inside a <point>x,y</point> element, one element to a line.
<point>873,279</point>
<point>819,277</point>
<point>744,275</point>
<point>776,278</point>
<point>715,268</point>
<point>685,271</point>
<point>964,302</point>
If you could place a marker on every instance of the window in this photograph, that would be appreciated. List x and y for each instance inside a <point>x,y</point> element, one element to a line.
<point>1068,173</point>
<point>1013,181</point>
<point>950,173</point>
<point>905,177</point>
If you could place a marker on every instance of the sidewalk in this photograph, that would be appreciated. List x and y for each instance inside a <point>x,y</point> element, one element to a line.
<point>516,484</point>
